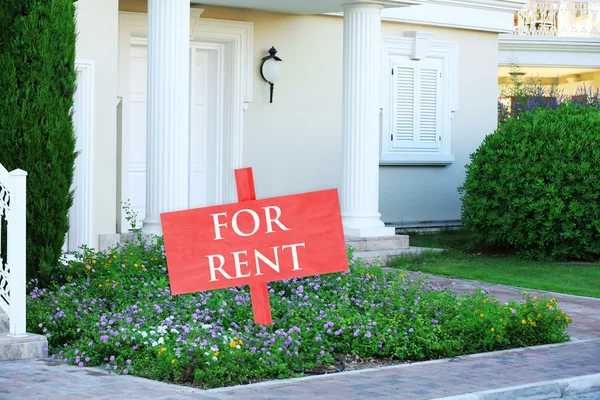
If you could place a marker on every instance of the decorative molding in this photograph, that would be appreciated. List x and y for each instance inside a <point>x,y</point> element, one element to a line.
<point>82,209</point>
<point>195,14</point>
<point>490,5</point>
<point>420,43</point>
<point>549,51</point>
<point>487,16</point>
<point>448,53</point>
<point>240,35</point>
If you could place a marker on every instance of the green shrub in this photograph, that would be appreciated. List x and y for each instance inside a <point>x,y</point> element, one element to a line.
<point>533,186</point>
<point>37,84</point>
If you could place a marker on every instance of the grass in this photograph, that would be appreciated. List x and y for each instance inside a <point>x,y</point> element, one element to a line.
<point>572,278</point>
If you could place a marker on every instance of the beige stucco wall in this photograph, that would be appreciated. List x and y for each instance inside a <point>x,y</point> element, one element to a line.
<point>97,29</point>
<point>294,144</point>
<point>419,193</point>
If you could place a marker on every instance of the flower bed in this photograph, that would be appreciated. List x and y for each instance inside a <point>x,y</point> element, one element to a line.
<point>115,310</point>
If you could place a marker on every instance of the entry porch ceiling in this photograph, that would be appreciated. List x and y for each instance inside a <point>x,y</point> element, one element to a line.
<point>302,6</point>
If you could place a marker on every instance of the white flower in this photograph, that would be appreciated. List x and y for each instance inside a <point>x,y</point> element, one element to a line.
<point>161,340</point>
<point>173,330</point>
<point>154,344</point>
<point>206,326</point>
<point>214,358</point>
<point>144,334</point>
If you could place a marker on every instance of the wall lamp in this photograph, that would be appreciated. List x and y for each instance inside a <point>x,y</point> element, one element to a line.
<point>270,70</point>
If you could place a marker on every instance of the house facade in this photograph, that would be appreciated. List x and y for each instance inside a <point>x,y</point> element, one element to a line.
<point>383,100</point>
<point>556,44</point>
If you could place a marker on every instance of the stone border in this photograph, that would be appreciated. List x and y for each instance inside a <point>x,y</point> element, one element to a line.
<point>540,391</point>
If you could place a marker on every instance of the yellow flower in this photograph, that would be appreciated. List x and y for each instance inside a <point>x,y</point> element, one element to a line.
<point>232,344</point>
<point>500,319</point>
<point>135,265</point>
<point>492,329</point>
<point>535,297</point>
<point>481,315</point>
<point>235,338</point>
<point>93,261</point>
<point>539,315</point>
<point>523,322</point>
<point>216,354</point>
<point>241,342</point>
<point>505,324</point>
<point>109,253</point>
<point>497,336</point>
<point>115,256</point>
<point>567,320</point>
<point>485,301</point>
<point>173,361</point>
<point>100,285</point>
<point>88,267</point>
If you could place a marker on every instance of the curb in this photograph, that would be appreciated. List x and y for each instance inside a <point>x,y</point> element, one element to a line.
<point>555,389</point>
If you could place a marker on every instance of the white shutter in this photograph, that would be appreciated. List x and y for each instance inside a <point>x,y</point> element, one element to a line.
<point>403,120</point>
<point>416,107</point>
<point>429,106</point>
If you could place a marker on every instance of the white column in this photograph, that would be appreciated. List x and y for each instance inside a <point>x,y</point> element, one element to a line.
<point>359,194</point>
<point>167,182</point>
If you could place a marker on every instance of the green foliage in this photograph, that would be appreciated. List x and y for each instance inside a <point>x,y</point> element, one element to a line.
<point>115,310</point>
<point>37,84</point>
<point>534,185</point>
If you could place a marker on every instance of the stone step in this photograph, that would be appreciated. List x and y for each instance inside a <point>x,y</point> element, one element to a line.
<point>378,243</point>
<point>383,257</point>
<point>22,348</point>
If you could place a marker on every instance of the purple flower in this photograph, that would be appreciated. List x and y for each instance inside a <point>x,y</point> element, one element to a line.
<point>80,364</point>
<point>87,359</point>
<point>411,330</point>
<point>104,338</point>
<point>368,334</point>
<point>125,372</point>
<point>112,358</point>
<point>513,311</point>
<point>356,332</point>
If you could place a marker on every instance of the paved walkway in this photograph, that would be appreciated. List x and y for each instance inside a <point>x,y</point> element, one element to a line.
<point>44,379</point>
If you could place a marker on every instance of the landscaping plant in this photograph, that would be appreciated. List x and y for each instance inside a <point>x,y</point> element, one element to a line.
<point>115,310</point>
<point>533,186</point>
<point>37,84</point>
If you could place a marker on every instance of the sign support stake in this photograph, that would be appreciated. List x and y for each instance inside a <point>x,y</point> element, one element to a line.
<point>259,292</point>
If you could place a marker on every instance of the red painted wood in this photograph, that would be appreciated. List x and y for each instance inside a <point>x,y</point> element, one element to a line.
<point>259,292</point>
<point>261,306</point>
<point>253,242</point>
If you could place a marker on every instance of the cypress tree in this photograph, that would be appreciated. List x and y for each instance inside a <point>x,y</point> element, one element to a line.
<point>37,84</point>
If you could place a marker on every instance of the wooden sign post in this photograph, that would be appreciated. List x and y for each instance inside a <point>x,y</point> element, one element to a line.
<point>254,242</point>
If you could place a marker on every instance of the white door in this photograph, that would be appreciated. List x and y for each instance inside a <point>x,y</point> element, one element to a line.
<point>204,96</point>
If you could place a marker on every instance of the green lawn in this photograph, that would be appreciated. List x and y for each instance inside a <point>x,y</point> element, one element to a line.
<point>572,278</point>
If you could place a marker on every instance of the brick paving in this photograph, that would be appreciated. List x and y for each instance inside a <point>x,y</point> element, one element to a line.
<point>45,379</point>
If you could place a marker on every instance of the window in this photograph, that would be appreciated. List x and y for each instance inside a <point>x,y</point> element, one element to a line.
<point>418,101</point>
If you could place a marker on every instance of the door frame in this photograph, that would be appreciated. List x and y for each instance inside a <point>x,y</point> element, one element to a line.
<point>236,40</point>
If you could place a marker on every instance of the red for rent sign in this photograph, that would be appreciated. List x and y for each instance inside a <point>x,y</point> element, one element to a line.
<point>253,242</point>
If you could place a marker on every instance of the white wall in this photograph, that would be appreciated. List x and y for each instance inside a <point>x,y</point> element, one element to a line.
<point>97,30</point>
<point>294,144</point>
<point>420,193</point>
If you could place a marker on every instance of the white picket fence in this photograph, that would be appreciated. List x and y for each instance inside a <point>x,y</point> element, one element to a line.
<point>12,270</point>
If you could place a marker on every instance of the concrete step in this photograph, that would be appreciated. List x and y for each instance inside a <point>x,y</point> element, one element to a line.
<point>378,243</point>
<point>22,348</point>
<point>383,257</point>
